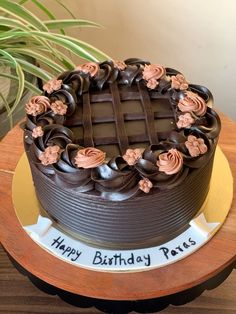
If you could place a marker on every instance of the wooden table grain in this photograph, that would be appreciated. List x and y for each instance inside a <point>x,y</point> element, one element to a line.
<point>19,295</point>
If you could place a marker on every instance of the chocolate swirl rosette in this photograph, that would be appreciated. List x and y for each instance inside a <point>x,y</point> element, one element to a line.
<point>67,173</point>
<point>209,124</point>
<point>116,180</point>
<point>107,74</point>
<point>62,96</point>
<point>39,114</point>
<point>76,81</point>
<point>156,163</point>
<point>133,71</point>
<point>46,149</point>
<point>63,101</point>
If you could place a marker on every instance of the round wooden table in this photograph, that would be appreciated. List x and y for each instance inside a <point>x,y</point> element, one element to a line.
<point>177,283</point>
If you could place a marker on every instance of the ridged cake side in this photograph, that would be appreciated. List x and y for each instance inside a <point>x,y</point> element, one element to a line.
<point>138,222</point>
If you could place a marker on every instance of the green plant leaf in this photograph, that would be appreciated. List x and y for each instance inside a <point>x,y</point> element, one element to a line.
<point>4,28</point>
<point>21,86</point>
<point>23,2</point>
<point>66,9</point>
<point>65,60</point>
<point>19,12</point>
<point>59,2</point>
<point>44,9</point>
<point>27,36</point>
<point>70,23</point>
<point>21,78</point>
<point>98,55</point>
<point>39,57</point>
<point>17,24</point>
<point>28,85</point>
<point>13,23</point>
<point>47,12</point>
<point>8,109</point>
<point>66,42</point>
<point>78,47</point>
<point>32,69</point>
<point>22,33</point>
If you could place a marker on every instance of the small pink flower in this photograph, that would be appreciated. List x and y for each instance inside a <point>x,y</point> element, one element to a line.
<point>145,185</point>
<point>179,82</point>
<point>51,155</point>
<point>195,146</point>
<point>120,65</point>
<point>37,132</point>
<point>152,83</point>
<point>58,107</point>
<point>153,71</point>
<point>89,67</point>
<point>185,121</point>
<point>52,85</point>
<point>131,156</point>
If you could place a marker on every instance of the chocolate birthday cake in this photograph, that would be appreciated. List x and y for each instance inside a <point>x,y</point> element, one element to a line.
<point>121,153</point>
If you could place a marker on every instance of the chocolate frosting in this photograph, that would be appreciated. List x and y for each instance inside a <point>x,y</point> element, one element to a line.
<point>145,220</point>
<point>116,179</point>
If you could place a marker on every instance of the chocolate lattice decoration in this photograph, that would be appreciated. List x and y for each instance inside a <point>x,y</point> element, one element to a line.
<point>150,106</point>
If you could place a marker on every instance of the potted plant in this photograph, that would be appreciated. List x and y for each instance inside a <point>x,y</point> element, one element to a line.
<point>30,49</point>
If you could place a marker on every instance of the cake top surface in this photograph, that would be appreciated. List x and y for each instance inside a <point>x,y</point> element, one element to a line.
<point>118,129</point>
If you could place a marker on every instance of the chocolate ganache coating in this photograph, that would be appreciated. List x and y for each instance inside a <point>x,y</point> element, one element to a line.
<point>134,146</point>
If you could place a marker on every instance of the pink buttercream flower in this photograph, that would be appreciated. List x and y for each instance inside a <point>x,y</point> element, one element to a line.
<point>185,121</point>
<point>153,71</point>
<point>89,157</point>
<point>192,102</point>
<point>89,67</point>
<point>37,105</point>
<point>58,107</point>
<point>120,65</point>
<point>179,82</point>
<point>37,132</point>
<point>131,156</point>
<point>152,83</point>
<point>51,155</point>
<point>195,146</point>
<point>170,162</point>
<point>52,85</point>
<point>145,185</point>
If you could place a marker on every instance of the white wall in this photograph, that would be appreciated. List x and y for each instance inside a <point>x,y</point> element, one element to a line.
<point>197,37</point>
